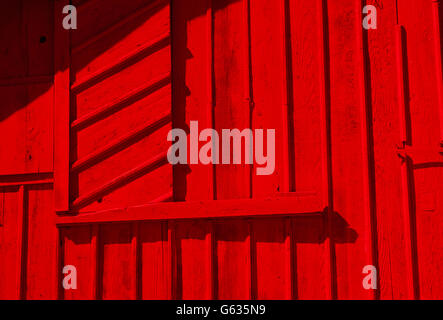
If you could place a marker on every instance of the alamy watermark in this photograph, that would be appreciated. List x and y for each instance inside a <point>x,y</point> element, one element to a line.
<point>70,21</point>
<point>370,20</point>
<point>209,153</point>
<point>370,281</point>
<point>70,280</point>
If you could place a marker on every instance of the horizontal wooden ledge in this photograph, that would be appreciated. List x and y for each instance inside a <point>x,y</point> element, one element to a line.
<point>26,179</point>
<point>26,183</point>
<point>295,205</point>
<point>27,80</point>
<point>418,154</point>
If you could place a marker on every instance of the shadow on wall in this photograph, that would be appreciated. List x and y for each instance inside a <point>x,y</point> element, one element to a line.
<point>301,230</point>
<point>27,27</point>
<point>180,55</point>
<point>27,66</point>
<point>28,51</point>
<point>27,32</point>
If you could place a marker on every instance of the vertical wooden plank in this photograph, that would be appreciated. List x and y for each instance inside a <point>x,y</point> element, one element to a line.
<point>27,118</point>
<point>38,20</point>
<point>367,147</point>
<point>79,250</point>
<point>41,244</point>
<point>312,261</point>
<point>212,260</point>
<point>233,260</point>
<point>211,240</point>
<point>388,89</point>
<point>438,61</point>
<point>61,109</point>
<point>171,266</point>
<point>306,119</point>
<point>312,258</point>
<point>193,254</point>
<point>251,240</point>
<point>10,244</point>
<point>38,121</point>
<point>426,232</point>
<point>424,81</point>
<point>417,18</point>
<point>287,116</point>
<point>95,262</point>
<point>13,62</point>
<point>210,75</point>
<point>267,91</point>
<point>412,285</point>
<point>39,254</point>
<point>267,86</point>
<point>22,244</point>
<point>325,110</point>
<point>155,261</point>
<point>248,85</point>
<point>135,259</point>
<point>401,90</point>
<point>326,158</point>
<point>193,101</point>
<point>353,248</point>
<point>305,52</point>
<point>118,277</point>
<point>59,258</point>
<point>272,258</point>
<point>2,207</point>
<point>290,245</point>
<point>232,108</point>
<point>192,92</point>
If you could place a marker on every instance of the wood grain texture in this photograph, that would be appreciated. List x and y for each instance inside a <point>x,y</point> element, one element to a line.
<point>84,179</point>
<point>62,112</point>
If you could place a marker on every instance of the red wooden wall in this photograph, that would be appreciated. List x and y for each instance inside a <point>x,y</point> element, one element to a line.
<point>84,179</point>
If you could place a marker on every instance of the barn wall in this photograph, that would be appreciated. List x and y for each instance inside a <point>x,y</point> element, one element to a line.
<point>84,179</point>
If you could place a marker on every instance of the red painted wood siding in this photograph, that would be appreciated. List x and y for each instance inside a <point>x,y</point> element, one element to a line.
<point>84,179</point>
